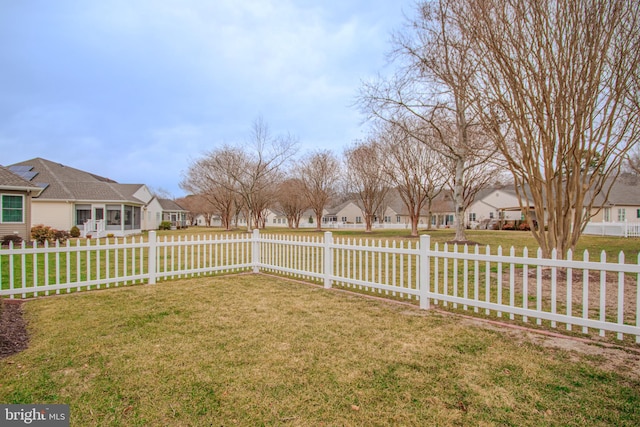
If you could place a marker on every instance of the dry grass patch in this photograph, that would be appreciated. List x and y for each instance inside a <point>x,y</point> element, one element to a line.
<point>259,350</point>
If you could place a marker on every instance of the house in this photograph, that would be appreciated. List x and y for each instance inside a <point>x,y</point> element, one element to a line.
<point>493,204</point>
<point>96,205</point>
<point>623,203</point>
<point>345,213</point>
<point>172,212</point>
<point>16,194</point>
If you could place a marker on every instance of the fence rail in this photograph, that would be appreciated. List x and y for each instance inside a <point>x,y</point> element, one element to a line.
<point>576,291</point>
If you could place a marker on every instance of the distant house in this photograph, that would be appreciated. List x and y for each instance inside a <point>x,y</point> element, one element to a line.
<point>345,213</point>
<point>15,204</point>
<point>623,203</point>
<point>96,205</point>
<point>492,205</point>
<point>173,213</point>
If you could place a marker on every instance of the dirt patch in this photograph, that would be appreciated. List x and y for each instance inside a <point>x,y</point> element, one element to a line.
<point>605,356</point>
<point>13,329</point>
<point>598,286</point>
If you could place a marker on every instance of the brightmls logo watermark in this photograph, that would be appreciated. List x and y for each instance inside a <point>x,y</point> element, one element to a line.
<point>34,415</point>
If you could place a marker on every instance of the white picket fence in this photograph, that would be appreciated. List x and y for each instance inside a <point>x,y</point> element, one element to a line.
<point>618,229</point>
<point>594,295</point>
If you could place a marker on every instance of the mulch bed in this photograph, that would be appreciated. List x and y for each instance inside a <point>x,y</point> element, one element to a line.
<point>13,329</point>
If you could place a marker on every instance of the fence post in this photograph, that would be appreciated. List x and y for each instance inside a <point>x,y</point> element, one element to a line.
<point>328,259</point>
<point>151,261</point>
<point>425,270</point>
<point>255,250</point>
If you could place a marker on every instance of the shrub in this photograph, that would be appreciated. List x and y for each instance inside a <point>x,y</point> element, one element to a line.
<point>11,238</point>
<point>509,226</point>
<point>44,233</point>
<point>524,226</point>
<point>165,225</point>
<point>75,232</point>
<point>61,235</point>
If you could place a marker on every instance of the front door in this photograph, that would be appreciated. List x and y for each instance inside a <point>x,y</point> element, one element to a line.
<point>98,214</point>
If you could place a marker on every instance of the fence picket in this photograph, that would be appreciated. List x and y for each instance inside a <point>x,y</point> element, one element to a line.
<point>569,288</point>
<point>585,291</point>
<point>603,291</point>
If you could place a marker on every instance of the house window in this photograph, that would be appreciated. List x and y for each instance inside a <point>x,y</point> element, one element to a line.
<point>137,216</point>
<point>472,217</point>
<point>83,214</point>
<point>114,215</point>
<point>398,218</point>
<point>12,208</point>
<point>344,219</point>
<point>607,214</point>
<point>128,217</point>
<point>622,214</point>
<point>638,213</point>
<point>449,219</point>
<point>490,215</point>
<point>358,220</point>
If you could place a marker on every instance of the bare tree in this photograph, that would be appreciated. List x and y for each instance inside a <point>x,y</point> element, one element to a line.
<point>633,161</point>
<point>435,88</point>
<point>560,81</point>
<point>254,170</point>
<point>319,172</point>
<point>291,201</point>
<point>413,169</point>
<point>197,205</point>
<point>366,178</point>
<point>214,184</point>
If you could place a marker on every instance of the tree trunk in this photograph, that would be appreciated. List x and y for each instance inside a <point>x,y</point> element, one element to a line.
<point>368,220</point>
<point>458,199</point>
<point>414,225</point>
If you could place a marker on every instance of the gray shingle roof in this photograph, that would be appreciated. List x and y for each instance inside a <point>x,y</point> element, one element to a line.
<point>9,180</point>
<point>170,205</point>
<point>624,192</point>
<point>67,183</point>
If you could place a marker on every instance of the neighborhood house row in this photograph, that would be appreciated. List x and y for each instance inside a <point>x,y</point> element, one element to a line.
<point>40,191</point>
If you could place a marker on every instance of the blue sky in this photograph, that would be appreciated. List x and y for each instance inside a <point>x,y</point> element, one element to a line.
<point>135,90</point>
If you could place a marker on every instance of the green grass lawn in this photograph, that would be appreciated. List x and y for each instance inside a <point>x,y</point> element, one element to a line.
<point>259,350</point>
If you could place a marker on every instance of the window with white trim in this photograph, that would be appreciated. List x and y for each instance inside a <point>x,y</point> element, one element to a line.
<point>12,208</point>
<point>83,213</point>
<point>622,214</point>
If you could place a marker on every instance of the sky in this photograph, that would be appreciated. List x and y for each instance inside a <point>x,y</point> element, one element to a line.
<point>136,90</point>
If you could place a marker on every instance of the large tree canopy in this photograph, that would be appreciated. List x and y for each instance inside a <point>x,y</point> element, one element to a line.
<point>559,82</point>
